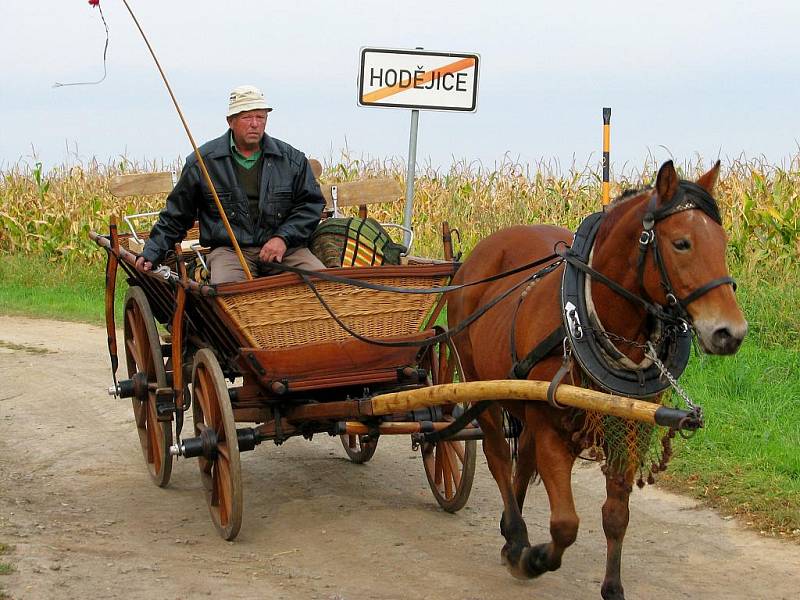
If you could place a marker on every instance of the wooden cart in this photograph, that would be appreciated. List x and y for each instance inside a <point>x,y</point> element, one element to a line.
<point>268,353</point>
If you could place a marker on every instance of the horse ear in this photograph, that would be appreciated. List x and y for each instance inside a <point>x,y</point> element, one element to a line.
<point>666,181</point>
<point>708,180</point>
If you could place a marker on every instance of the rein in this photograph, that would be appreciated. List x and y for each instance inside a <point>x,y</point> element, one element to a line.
<point>303,273</point>
<point>446,335</point>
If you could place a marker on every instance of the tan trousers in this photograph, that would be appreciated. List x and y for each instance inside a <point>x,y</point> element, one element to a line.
<point>224,265</point>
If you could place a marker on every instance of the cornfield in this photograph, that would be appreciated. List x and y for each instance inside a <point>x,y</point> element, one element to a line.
<point>50,213</point>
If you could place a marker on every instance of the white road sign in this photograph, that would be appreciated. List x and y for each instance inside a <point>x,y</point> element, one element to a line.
<point>418,79</point>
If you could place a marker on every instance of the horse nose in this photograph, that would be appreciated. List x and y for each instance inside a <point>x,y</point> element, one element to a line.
<point>726,340</point>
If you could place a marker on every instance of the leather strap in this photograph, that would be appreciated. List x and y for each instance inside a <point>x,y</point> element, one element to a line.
<point>521,368</point>
<point>566,366</point>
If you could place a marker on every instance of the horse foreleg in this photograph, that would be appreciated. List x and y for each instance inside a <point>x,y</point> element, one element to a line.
<point>616,513</point>
<point>498,458</point>
<point>555,461</point>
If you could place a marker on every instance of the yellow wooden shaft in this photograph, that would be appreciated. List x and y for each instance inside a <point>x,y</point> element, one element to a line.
<point>475,391</point>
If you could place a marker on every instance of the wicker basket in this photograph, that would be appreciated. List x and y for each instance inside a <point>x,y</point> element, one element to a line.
<point>291,315</point>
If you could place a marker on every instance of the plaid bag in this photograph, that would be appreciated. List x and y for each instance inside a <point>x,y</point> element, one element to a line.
<point>354,242</point>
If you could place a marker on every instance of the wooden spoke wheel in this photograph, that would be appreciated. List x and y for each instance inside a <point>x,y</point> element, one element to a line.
<point>449,465</point>
<point>358,449</point>
<point>221,477</point>
<point>143,355</point>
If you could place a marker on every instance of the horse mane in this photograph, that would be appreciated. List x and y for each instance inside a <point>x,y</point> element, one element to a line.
<point>614,210</point>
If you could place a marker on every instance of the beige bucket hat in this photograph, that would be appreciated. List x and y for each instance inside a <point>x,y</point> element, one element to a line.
<point>246,97</point>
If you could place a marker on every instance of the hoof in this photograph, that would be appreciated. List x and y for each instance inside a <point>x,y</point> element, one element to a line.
<point>612,591</point>
<point>526,562</point>
<point>535,561</point>
<point>510,557</point>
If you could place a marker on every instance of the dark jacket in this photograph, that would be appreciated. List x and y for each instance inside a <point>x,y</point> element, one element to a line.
<point>290,202</point>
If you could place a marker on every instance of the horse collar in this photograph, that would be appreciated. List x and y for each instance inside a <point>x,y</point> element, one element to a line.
<point>593,354</point>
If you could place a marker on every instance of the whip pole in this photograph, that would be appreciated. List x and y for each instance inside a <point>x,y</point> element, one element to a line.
<point>606,153</point>
<point>200,161</point>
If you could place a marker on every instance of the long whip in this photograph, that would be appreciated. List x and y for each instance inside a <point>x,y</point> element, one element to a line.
<point>200,161</point>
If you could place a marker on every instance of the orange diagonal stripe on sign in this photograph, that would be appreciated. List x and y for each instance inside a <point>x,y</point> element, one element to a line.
<point>382,93</point>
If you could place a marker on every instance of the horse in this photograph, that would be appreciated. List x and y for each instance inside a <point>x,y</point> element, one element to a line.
<point>657,252</point>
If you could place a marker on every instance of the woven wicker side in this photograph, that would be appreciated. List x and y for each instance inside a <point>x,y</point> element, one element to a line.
<point>292,315</point>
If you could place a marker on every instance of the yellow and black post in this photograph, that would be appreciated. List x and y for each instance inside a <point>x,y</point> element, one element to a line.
<point>606,149</point>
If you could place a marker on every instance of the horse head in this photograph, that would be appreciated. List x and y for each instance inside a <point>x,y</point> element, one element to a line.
<point>679,261</point>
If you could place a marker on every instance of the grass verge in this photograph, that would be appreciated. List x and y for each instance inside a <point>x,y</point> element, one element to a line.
<point>745,461</point>
<point>5,568</point>
<point>33,286</point>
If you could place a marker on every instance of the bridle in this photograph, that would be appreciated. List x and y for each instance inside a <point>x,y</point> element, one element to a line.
<point>680,201</point>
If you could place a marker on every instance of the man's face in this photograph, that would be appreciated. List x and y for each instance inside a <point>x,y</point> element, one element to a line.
<point>248,127</point>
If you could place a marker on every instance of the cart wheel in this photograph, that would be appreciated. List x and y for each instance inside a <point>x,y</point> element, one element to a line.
<point>357,448</point>
<point>143,355</point>
<point>221,477</point>
<point>449,465</point>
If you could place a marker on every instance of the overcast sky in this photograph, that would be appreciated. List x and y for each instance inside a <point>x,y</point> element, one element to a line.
<point>684,79</point>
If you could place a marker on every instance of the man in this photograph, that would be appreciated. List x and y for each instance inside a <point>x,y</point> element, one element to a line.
<point>269,194</point>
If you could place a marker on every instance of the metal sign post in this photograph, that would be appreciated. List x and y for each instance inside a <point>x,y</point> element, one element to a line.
<point>419,80</point>
<point>410,174</point>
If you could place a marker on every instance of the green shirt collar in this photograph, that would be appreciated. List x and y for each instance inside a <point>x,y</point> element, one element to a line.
<point>246,162</point>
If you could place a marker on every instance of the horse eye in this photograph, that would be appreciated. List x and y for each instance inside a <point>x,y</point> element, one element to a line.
<point>682,245</point>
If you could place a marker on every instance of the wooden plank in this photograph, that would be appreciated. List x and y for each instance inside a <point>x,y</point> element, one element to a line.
<point>368,191</point>
<point>141,184</point>
<point>350,193</point>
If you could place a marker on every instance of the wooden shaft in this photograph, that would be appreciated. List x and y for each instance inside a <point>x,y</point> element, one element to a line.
<point>447,241</point>
<point>177,332</point>
<point>355,428</point>
<point>200,161</point>
<point>511,390</point>
<point>111,288</point>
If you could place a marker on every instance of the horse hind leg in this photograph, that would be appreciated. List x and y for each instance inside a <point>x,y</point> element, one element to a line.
<point>616,513</point>
<point>498,458</point>
<point>554,461</point>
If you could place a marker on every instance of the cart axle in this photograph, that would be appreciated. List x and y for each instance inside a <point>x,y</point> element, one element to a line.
<point>206,444</point>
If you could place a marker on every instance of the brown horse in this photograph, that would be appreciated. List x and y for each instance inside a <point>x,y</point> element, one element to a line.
<point>665,246</point>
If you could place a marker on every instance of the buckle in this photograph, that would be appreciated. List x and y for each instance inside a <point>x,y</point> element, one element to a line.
<point>573,322</point>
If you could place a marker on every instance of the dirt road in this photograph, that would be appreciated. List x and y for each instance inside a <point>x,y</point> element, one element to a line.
<point>84,521</point>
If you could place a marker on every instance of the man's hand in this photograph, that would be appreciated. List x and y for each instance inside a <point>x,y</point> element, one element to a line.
<point>142,264</point>
<point>273,250</point>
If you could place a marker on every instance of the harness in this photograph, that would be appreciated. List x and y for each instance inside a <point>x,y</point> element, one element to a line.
<point>583,335</point>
